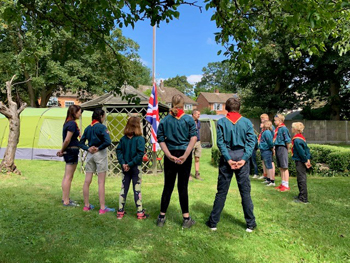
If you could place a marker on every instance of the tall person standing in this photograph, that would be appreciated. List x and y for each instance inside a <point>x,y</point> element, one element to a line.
<point>70,151</point>
<point>236,141</point>
<point>197,149</point>
<point>176,136</point>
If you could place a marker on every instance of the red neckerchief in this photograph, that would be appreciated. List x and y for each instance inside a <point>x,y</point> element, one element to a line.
<point>94,122</point>
<point>259,138</point>
<point>297,136</point>
<point>276,131</point>
<point>233,117</point>
<point>179,114</point>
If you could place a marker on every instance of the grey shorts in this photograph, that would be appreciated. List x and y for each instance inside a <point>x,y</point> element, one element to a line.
<point>97,162</point>
<point>282,156</point>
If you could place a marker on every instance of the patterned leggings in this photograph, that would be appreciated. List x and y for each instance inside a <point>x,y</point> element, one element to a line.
<point>134,175</point>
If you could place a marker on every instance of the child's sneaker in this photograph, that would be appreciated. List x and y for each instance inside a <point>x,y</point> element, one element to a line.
<point>284,189</point>
<point>187,223</point>
<point>160,221</point>
<point>262,177</point>
<point>120,214</point>
<point>88,208</point>
<point>279,187</point>
<point>71,203</point>
<point>265,182</point>
<point>271,184</point>
<point>106,210</point>
<point>250,229</point>
<point>255,176</point>
<point>142,215</point>
<point>212,228</point>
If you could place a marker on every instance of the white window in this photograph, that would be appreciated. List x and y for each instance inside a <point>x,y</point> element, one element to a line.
<point>217,106</point>
<point>68,103</point>
<point>188,107</point>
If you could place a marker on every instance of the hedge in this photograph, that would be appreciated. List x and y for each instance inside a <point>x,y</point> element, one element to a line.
<point>337,158</point>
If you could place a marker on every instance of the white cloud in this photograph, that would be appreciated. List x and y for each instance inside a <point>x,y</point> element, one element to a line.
<point>193,79</point>
<point>144,62</point>
<point>210,41</point>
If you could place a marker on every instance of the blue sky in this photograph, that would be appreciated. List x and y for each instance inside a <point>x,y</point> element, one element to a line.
<point>183,47</point>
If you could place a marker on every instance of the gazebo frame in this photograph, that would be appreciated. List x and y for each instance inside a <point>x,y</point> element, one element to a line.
<point>116,106</point>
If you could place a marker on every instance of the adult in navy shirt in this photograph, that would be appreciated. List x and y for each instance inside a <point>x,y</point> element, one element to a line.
<point>70,151</point>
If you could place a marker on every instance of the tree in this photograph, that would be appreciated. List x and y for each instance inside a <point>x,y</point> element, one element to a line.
<point>216,75</point>
<point>311,23</point>
<point>180,83</point>
<point>89,22</point>
<point>11,110</point>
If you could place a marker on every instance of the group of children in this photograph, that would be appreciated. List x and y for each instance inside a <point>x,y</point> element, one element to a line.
<point>177,136</point>
<point>277,141</point>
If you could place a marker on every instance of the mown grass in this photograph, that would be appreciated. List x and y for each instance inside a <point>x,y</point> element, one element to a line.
<point>34,227</point>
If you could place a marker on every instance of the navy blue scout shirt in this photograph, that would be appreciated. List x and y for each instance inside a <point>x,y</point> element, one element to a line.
<point>266,141</point>
<point>72,127</point>
<point>131,150</point>
<point>231,136</point>
<point>301,151</point>
<point>283,136</point>
<point>198,128</point>
<point>97,136</point>
<point>176,133</point>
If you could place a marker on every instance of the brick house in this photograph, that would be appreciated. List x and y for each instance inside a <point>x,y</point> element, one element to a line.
<point>214,101</point>
<point>165,95</point>
<point>64,99</point>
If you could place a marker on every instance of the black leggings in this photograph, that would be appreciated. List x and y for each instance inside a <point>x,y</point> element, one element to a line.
<point>172,169</point>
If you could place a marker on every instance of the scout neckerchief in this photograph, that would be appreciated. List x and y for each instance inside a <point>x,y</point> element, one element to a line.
<point>94,122</point>
<point>233,117</point>
<point>259,138</point>
<point>179,114</point>
<point>297,136</point>
<point>276,131</point>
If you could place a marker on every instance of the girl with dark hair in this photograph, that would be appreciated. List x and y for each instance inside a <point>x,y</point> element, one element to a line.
<point>98,139</point>
<point>70,151</point>
<point>130,151</point>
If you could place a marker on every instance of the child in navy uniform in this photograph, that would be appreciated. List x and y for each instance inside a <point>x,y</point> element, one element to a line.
<point>282,140</point>
<point>177,136</point>
<point>98,139</point>
<point>266,150</point>
<point>236,141</point>
<point>130,151</point>
<point>301,156</point>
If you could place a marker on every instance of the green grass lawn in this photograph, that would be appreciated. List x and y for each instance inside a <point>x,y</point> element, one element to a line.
<point>34,227</point>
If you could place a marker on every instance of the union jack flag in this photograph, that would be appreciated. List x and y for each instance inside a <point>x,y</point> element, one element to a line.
<point>152,116</point>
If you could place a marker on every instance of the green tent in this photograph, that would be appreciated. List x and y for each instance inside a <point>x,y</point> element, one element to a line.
<point>41,132</point>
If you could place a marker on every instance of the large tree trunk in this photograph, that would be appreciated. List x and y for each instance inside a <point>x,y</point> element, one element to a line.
<point>46,94</point>
<point>12,112</point>
<point>335,100</point>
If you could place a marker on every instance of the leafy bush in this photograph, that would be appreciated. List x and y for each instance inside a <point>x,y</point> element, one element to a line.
<point>339,161</point>
<point>215,156</point>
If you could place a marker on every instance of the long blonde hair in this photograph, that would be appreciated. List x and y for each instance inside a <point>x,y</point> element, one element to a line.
<point>177,100</point>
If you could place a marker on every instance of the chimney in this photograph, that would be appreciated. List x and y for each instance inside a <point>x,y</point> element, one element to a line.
<point>216,91</point>
<point>162,84</point>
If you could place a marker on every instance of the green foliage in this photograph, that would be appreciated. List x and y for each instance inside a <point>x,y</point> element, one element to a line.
<point>215,156</point>
<point>339,161</point>
<point>216,75</point>
<point>180,83</point>
<point>208,111</point>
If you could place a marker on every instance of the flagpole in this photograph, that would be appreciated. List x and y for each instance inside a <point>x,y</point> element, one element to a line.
<point>154,154</point>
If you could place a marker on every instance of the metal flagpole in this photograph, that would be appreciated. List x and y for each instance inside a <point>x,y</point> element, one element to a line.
<point>154,154</point>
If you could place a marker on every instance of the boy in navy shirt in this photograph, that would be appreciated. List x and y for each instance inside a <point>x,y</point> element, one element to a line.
<point>301,156</point>
<point>236,141</point>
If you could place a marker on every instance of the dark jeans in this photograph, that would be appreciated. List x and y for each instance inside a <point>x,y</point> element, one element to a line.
<point>172,169</point>
<point>255,165</point>
<point>301,179</point>
<point>243,182</point>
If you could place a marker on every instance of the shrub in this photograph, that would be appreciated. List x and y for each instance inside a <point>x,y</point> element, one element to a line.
<point>215,156</point>
<point>339,161</point>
